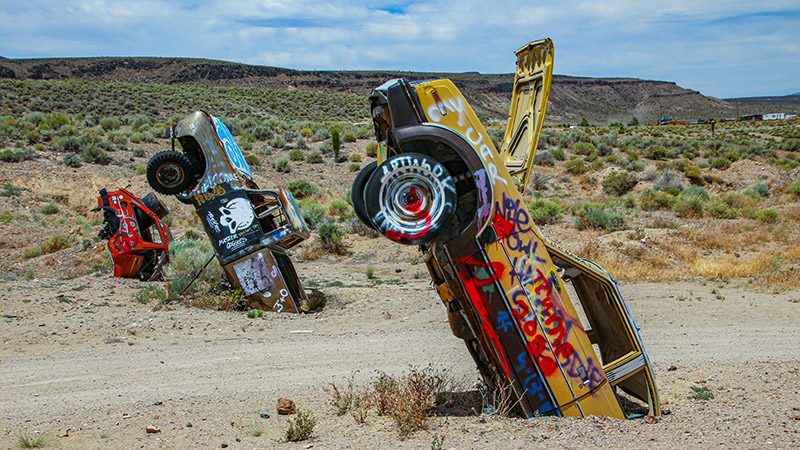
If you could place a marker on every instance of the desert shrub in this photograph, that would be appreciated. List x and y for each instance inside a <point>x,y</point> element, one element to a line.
<point>543,211</point>
<point>72,160</point>
<point>314,157</point>
<point>652,199</point>
<point>794,188</point>
<point>540,180</point>
<point>558,154</point>
<point>656,151</point>
<point>767,215</point>
<point>668,181</point>
<point>32,441</point>
<point>277,141</point>
<point>12,155</point>
<point>791,145</point>
<point>583,148</point>
<point>696,191</point>
<point>109,123</point>
<point>313,212</point>
<point>302,188</point>
<point>371,149</point>
<point>719,210</point>
<point>281,165</point>
<point>719,163</point>
<point>50,208</point>
<point>9,190</point>
<point>336,142</point>
<point>576,167</point>
<point>409,399</point>
<point>54,244</point>
<point>339,209</point>
<point>738,200</point>
<point>355,157</point>
<point>300,427</point>
<point>348,136</point>
<point>544,158</point>
<point>693,172</point>
<point>353,167</point>
<point>296,155</point>
<point>597,216</point>
<point>619,183</point>
<point>331,236</point>
<point>93,154</point>
<point>635,166</point>
<point>762,189</point>
<point>689,207</point>
<point>187,256</point>
<point>252,160</point>
<point>701,393</point>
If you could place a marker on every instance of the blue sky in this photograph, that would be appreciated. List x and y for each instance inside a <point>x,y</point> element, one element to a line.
<point>725,48</point>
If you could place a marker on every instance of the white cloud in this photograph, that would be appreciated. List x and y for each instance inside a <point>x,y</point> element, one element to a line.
<point>723,48</point>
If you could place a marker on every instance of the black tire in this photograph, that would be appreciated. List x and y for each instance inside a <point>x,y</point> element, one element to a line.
<point>357,192</point>
<point>410,198</point>
<point>154,204</point>
<point>170,172</point>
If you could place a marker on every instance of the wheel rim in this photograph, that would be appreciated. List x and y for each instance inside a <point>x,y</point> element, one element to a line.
<point>170,175</point>
<point>411,201</point>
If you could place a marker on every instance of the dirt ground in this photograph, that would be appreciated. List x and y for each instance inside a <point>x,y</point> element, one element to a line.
<point>85,365</point>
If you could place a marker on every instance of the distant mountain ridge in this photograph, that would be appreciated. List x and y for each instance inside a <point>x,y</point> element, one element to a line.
<point>601,100</point>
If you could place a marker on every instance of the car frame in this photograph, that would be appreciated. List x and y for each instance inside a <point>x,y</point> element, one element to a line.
<point>440,183</point>
<point>251,229</point>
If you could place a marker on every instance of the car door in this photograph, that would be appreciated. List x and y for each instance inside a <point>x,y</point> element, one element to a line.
<point>528,105</point>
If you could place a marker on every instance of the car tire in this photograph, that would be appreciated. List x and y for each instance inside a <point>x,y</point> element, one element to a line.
<point>410,198</point>
<point>170,172</point>
<point>357,192</point>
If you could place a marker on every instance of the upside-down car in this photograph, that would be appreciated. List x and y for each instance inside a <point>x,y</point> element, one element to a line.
<point>551,327</point>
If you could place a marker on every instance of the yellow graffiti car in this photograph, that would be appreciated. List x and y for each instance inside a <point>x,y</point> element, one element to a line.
<point>547,325</point>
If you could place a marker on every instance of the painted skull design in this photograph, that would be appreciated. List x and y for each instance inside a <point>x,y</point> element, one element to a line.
<point>236,215</point>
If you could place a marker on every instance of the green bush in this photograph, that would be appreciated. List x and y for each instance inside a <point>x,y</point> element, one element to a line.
<point>597,216</point>
<point>281,165</point>
<point>313,212</point>
<point>371,149</point>
<point>693,206</point>
<point>583,148</point>
<point>619,183</point>
<point>543,211</point>
<point>49,208</point>
<point>302,188</point>
<point>767,215</point>
<point>339,209</point>
<point>558,153</point>
<point>11,155</point>
<point>720,163</point>
<point>331,236</point>
<point>719,210</point>
<point>95,155</point>
<point>277,141</point>
<point>353,167</point>
<point>314,157</point>
<point>656,151</point>
<point>794,188</point>
<point>652,199</point>
<point>336,142</point>
<point>252,160</point>
<point>54,244</point>
<point>762,189</point>
<point>109,123</point>
<point>576,167</point>
<point>296,155</point>
<point>72,160</point>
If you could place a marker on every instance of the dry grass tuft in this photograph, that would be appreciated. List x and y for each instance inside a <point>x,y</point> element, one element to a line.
<point>301,426</point>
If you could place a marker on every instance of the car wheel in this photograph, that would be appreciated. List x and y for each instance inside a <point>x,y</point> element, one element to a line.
<point>410,198</point>
<point>357,192</point>
<point>169,172</point>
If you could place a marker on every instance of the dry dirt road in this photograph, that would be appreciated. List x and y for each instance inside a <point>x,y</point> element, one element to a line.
<point>88,367</point>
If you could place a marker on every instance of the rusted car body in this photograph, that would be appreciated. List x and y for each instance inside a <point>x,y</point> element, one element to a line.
<point>251,229</point>
<point>548,325</point>
<point>138,240</point>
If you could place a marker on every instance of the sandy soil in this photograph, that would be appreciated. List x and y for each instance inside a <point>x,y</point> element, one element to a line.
<point>84,364</point>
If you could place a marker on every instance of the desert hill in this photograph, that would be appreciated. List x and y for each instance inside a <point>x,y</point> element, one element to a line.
<point>600,100</point>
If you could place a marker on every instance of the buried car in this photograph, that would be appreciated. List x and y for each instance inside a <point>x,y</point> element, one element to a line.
<point>551,327</point>
<point>138,239</point>
<point>250,229</point>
